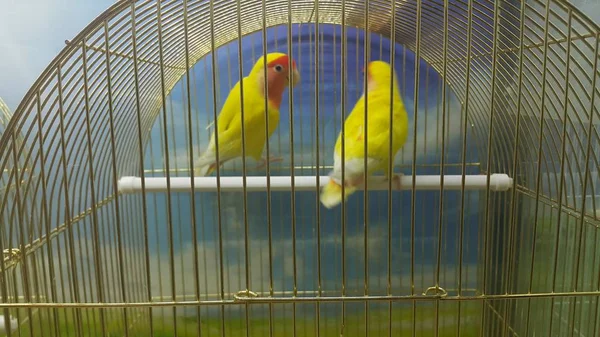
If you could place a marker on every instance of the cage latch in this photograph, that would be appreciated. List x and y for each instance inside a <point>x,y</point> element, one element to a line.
<point>243,294</point>
<point>436,290</point>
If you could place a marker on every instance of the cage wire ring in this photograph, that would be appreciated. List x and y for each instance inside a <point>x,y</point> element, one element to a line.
<point>439,291</point>
<point>243,294</point>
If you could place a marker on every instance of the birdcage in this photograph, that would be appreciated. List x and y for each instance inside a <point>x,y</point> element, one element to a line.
<point>107,231</point>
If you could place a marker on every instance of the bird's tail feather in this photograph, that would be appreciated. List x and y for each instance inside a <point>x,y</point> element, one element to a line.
<point>206,164</point>
<point>204,170</point>
<point>331,194</point>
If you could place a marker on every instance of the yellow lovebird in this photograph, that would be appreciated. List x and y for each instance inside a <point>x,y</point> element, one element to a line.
<point>229,121</point>
<point>379,98</point>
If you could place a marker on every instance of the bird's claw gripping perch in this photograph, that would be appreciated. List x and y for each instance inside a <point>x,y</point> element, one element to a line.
<point>271,159</point>
<point>397,181</point>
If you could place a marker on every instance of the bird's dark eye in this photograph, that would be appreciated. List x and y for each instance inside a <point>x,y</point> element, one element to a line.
<point>278,68</point>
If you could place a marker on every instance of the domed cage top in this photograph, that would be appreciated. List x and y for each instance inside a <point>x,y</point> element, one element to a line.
<point>107,231</point>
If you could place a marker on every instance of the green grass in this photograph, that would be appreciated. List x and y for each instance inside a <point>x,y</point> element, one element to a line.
<point>163,324</point>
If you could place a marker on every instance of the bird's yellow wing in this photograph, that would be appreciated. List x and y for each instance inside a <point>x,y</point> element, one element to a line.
<point>230,109</point>
<point>353,133</point>
<point>230,136</point>
<point>379,133</point>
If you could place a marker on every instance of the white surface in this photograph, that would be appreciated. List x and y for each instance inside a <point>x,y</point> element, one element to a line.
<point>498,182</point>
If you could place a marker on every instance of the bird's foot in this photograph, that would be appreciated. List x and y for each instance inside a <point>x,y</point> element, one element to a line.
<point>397,181</point>
<point>271,159</point>
<point>213,167</point>
<point>357,181</point>
<point>351,182</point>
<point>354,182</point>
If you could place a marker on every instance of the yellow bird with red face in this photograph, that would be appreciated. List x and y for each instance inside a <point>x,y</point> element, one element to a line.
<point>229,121</point>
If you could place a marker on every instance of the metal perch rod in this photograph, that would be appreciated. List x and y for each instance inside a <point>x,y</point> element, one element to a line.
<point>498,182</point>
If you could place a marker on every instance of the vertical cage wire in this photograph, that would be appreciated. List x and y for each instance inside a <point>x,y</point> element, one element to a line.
<point>489,87</point>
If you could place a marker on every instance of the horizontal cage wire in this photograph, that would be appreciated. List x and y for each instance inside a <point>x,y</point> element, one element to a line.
<point>110,227</point>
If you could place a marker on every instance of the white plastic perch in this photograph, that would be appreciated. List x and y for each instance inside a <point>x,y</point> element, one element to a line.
<point>498,182</point>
